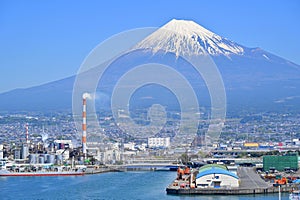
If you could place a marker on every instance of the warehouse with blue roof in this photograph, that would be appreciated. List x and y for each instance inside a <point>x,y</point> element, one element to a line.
<point>216,176</point>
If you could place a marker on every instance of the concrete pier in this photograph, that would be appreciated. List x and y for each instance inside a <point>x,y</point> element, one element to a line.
<point>227,191</point>
<point>250,183</point>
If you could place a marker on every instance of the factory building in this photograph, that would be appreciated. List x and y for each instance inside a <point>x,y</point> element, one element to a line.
<point>63,144</point>
<point>110,156</point>
<point>216,176</point>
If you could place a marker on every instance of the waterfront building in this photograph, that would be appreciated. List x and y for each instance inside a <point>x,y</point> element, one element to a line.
<point>216,176</point>
<point>129,146</point>
<point>110,156</point>
<point>159,142</point>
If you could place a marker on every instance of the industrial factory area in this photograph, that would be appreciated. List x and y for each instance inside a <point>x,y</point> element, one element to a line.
<point>218,171</point>
<point>44,156</point>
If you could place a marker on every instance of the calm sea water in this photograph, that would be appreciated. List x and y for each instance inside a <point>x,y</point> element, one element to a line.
<point>120,185</point>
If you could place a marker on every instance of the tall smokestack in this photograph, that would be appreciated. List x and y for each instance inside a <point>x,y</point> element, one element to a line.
<point>27,140</point>
<point>84,126</point>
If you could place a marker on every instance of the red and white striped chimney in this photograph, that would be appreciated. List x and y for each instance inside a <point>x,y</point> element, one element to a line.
<point>84,147</point>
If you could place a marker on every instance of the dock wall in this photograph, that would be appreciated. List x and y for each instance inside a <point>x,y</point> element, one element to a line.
<point>225,191</point>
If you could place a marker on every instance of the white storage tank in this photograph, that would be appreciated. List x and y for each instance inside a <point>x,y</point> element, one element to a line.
<point>41,159</point>
<point>33,158</point>
<point>51,158</point>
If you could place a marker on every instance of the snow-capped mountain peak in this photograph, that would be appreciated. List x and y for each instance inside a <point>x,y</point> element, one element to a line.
<point>184,37</point>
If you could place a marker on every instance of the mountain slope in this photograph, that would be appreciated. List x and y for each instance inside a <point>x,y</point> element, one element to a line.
<point>252,76</point>
<point>53,96</point>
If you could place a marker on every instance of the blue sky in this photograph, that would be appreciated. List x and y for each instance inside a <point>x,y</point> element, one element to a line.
<point>43,41</point>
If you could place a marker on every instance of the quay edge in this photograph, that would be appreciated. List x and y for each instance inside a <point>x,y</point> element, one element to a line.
<point>233,191</point>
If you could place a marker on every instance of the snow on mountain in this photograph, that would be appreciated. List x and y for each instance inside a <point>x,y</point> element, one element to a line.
<point>184,37</point>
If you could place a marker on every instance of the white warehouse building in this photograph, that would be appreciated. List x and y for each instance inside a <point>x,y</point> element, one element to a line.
<point>215,176</point>
<point>159,142</point>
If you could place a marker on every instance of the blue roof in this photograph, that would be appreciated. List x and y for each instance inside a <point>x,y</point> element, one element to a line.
<point>216,171</point>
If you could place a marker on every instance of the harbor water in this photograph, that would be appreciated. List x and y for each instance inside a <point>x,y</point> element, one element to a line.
<point>113,185</point>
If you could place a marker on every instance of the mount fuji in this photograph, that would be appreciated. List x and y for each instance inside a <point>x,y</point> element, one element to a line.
<point>253,78</point>
<point>188,38</point>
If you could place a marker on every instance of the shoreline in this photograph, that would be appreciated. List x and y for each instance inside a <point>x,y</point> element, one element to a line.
<point>233,191</point>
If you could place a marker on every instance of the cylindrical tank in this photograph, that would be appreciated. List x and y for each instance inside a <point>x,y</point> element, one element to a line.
<point>45,157</point>
<point>41,160</point>
<point>51,158</point>
<point>24,152</point>
<point>33,158</point>
<point>17,153</point>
